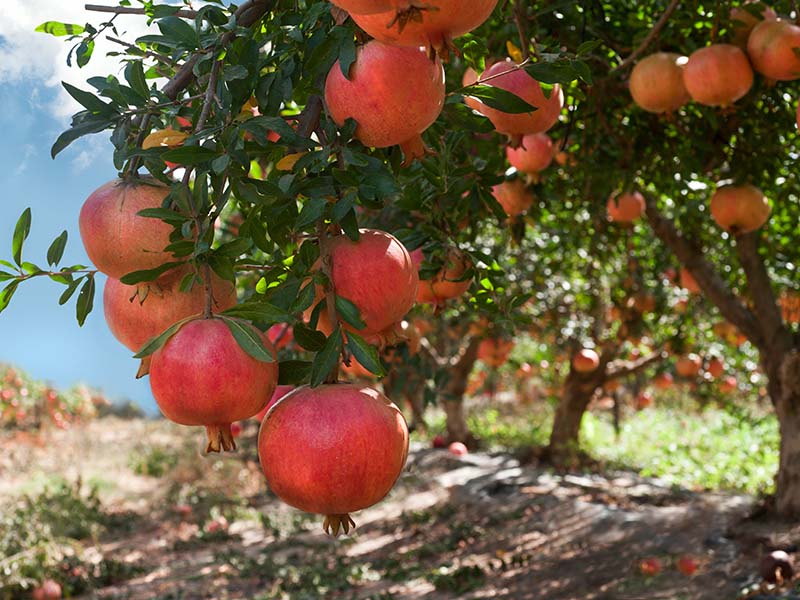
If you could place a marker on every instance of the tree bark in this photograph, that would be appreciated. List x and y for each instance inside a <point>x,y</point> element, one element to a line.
<point>784,389</point>
<point>576,394</point>
<point>452,394</point>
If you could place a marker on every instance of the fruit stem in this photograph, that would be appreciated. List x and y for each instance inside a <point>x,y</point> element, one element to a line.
<point>330,293</point>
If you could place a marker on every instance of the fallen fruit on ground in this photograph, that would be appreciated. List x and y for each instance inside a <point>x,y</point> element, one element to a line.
<point>188,388</point>
<point>458,449</point>
<point>333,450</point>
<point>776,567</point>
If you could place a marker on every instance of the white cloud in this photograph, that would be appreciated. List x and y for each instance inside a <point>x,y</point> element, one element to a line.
<point>28,152</point>
<point>38,58</point>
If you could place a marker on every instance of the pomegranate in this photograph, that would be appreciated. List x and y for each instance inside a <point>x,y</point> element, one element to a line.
<point>688,366</point>
<point>664,381</point>
<point>446,284</point>
<point>506,76</point>
<point>715,367</point>
<point>790,306</point>
<point>432,23</point>
<point>739,209</point>
<point>281,335</point>
<point>585,361</point>
<point>376,274</point>
<point>201,376</point>
<point>656,83</point>
<point>117,240</point>
<point>626,207</point>
<point>280,392</point>
<point>458,449</point>
<point>687,565</point>
<point>137,313</point>
<point>355,370</point>
<point>650,567</point>
<point>644,400</point>
<point>49,590</point>
<point>513,196</point>
<point>534,155</point>
<point>773,47</point>
<point>365,7</point>
<point>494,351</point>
<point>776,567</point>
<point>439,442</point>
<point>743,21</point>
<point>333,450</point>
<point>612,385</point>
<point>688,282</point>
<point>394,93</point>
<point>718,75</point>
<point>728,385</point>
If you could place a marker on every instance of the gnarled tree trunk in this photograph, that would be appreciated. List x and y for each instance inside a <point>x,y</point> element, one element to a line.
<point>452,394</point>
<point>784,389</point>
<point>576,394</point>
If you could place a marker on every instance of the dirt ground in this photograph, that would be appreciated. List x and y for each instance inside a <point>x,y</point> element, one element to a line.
<point>480,526</point>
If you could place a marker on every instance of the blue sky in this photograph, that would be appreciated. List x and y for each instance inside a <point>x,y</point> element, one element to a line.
<point>37,334</point>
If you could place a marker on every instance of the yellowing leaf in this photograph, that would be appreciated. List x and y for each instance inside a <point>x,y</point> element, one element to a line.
<point>513,52</point>
<point>249,110</point>
<point>288,162</point>
<point>164,138</point>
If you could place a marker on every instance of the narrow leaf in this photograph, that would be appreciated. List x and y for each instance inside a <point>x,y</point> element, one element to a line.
<point>365,354</point>
<point>249,339</point>
<point>85,300</point>
<point>7,293</point>
<point>327,359</point>
<point>56,249</point>
<point>349,312</point>
<point>157,342</point>
<point>21,231</point>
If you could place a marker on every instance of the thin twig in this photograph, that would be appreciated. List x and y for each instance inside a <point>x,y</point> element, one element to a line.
<point>662,21</point>
<point>524,40</point>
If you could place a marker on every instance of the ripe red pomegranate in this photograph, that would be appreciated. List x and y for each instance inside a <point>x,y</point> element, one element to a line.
<point>743,21</point>
<point>518,82</point>
<point>715,367</point>
<point>656,83</point>
<point>687,565</point>
<point>49,590</point>
<point>118,241</point>
<point>585,361</point>
<point>439,442</point>
<point>280,392</point>
<point>458,449</point>
<point>394,94</point>
<point>718,75</point>
<point>202,377</point>
<point>664,381</point>
<point>446,284</point>
<point>281,335</point>
<point>513,196</point>
<point>534,155</point>
<point>333,450</point>
<point>688,282</point>
<point>365,7</point>
<point>355,371</point>
<point>739,209</point>
<point>494,351</point>
<point>137,313</point>
<point>644,400</point>
<point>376,274</point>
<point>728,385</point>
<point>689,365</point>
<point>773,47</point>
<point>626,207</point>
<point>650,567</point>
<point>432,23</point>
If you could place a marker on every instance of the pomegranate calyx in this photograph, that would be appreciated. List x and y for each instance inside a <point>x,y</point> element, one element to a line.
<point>144,368</point>
<point>220,437</point>
<point>333,523</point>
<point>413,149</point>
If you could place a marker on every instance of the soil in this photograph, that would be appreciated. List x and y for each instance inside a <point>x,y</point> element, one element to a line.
<point>478,526</point>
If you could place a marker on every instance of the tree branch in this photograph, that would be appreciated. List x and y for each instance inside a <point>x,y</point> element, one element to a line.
<point>159,57</point>
<point>759,286</point>
<point>703,271</point>
<point>428,348</point>
<point>662,21</point>
<point>621,368</point>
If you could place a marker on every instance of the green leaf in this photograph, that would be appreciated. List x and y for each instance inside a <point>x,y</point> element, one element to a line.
<point>157,342</point>
<point>56,249</point>
<point>6,276</point>
<point>249,339</point>
<point>312,211</point>
<point>165,214</point>
<point>349,312</point>
<point>148,274</point>
<point>176,28</point>
<point>307,338</point>
<point>293,372</point>
<point>67,293</point>
<point>499,99</point>
<point>89,101</point>
<point>85,299</point>
<point>86,127</point>
<point>134,75</point>
<point>258,312</point>
<point>83,53</point>
<point>59,29</point>
<point>7,293</point>
<point>190,155</point>
<point>21,231</point>
<point>327,359</point>
<point>364,353</point>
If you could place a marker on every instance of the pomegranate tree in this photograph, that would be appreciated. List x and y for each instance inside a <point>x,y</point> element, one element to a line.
<point>718,75</point>
<point>333,450</point>
<point>508,76</point>
<point>534,154</point>
<point>432,23</point>
<point>739,209</point>
<point>656,83</point>
<point>117,240</point>
<point>394,94</point>
<point>773,47</point>
<point>202,376</point>
<point>137,313</point>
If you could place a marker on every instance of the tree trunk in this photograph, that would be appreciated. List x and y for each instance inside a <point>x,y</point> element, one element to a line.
<point>452,395</point>
<point>575,397</point>
<point>404,383</point>
<point>784,388</point>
